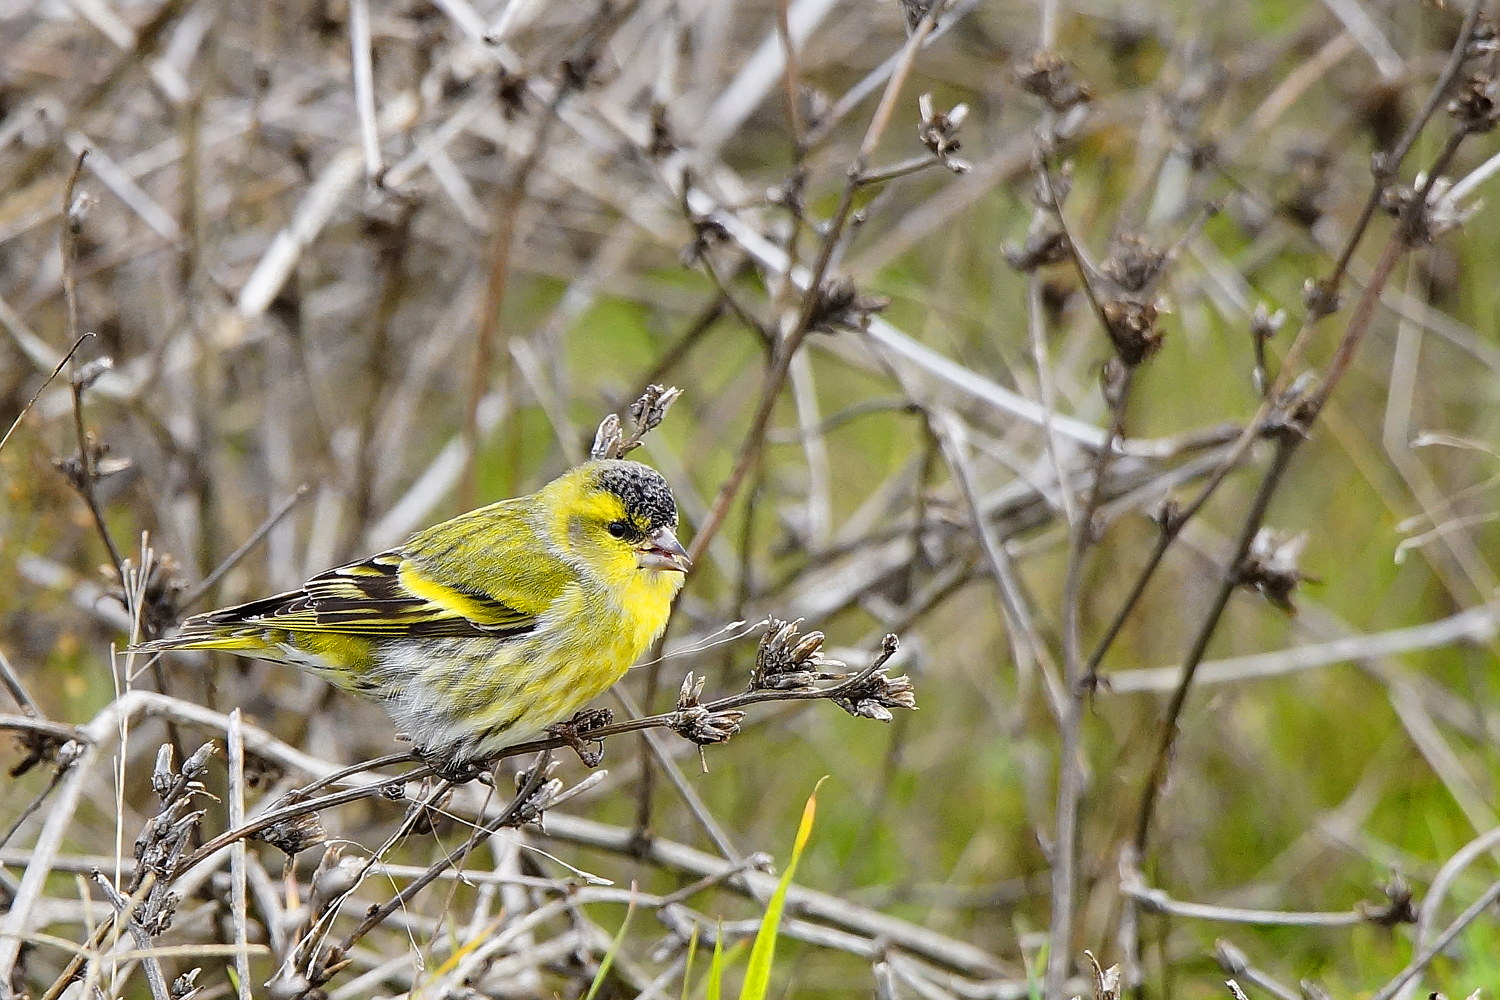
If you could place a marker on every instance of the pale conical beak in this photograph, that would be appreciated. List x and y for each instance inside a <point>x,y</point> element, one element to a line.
<point>662,550</point>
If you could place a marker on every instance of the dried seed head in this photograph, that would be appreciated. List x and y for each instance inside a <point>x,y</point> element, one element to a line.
<point>707,234</point>
<point>1477,106</point>
<point>697,724</point>
<point>914,11</point>
<point>839,305</point>
<point>1051,78</point>
<point>1265,324</point>
<point>789,661</point>
<point>1133,264</point>
<point>651,409</point>
<point>938,131</point>
<point>875,698</point>
<point>294,834</point>
<point>1132,328</point>
<point>1049,246</point>
<point>1271,567</point>
<point>1320,297</point>
<point>1439,212</point>
<point>184,986</point>
<point>534,806</point>
<point>335,876</point>
<point>100,466</point>
<point>646,413</point>
<point>162,775</point>
<point>43,747</point>
<point>1399,906</point>
<point>1483,41</point>
<point>159,593</point>
<point>1106,981</point>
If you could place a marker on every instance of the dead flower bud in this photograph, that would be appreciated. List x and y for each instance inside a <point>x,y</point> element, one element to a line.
<point>1106,981</point>
<point>100,465</point>
<point>185,987</point>
<point>1049,246</point>
<point>697,724</point>
<point>646,413</point>
<point>162,775</point>
<point>1477,106</point>
<point>294,834</point>
<point>876,694</point>
<point>1132,327</point>
<point>874,698</point>
<point>1265,324</point>
<point>1133,264</point>
<point>335,877</point>
<point>607,439</point>
<point>938,131</point>
<point>1051,78</point>
<point>197,762</point>
<point>790,194</point>
<point>651,409</point>
<point>1320,297</point>
<point>840,306</point>
<point>915,11</point>
<point>789,661</point>
<point>1398,907</point>
<point>159,592</point>
<point>1484,40</point>
<point>535,805</point>
<point>707,234</point>
<point>1271,567</point>
<point>1440,213</point>
<point>45,747</point>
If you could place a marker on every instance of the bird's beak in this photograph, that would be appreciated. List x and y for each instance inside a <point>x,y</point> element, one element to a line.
<point>662,550</point>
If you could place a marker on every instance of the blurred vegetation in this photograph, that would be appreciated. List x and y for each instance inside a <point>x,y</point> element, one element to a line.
<point>565,202</point>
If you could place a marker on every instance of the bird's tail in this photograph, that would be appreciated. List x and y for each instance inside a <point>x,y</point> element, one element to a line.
<point>204,637</point>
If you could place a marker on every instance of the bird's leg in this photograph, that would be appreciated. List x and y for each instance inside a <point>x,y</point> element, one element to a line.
<point>571,732</point>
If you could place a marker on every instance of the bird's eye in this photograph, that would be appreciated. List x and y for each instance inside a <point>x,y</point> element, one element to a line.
<point>618,529</point>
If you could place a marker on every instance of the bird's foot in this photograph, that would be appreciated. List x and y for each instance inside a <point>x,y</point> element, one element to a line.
<point>458,770</point>
<point>571,732</point>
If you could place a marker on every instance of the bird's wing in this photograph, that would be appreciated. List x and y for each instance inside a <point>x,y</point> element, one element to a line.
<point>385,595</point>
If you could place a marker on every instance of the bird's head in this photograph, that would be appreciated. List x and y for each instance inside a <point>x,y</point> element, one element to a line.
<point>624,512</point>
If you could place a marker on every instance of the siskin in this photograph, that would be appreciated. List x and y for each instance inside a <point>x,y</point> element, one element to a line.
<point>479,632</point>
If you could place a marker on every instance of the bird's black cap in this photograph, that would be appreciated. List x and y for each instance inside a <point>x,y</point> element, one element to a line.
<point>642,489</point>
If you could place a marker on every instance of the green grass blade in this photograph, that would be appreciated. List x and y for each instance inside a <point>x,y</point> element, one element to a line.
<point>758,972</point>
<point>716,967</point>
<point>687,968</point>
<point>609,956</point>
